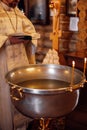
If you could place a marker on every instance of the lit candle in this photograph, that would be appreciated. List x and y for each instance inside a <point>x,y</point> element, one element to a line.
<point>73,64</point>
<point>85,60</point>
<point>72,76</point>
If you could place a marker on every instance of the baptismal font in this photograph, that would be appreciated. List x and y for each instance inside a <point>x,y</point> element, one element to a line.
<point>45,91</point>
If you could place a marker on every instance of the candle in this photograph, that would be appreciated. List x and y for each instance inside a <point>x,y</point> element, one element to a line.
<point>85,60</point>
<point>73,64</point>
<point>72,76</point>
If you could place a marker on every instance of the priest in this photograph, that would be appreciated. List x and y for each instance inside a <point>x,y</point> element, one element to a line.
<point>13,25</point>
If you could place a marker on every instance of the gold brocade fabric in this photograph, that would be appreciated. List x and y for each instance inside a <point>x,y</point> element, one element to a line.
<point>51,57</point>
<point>23,24</point>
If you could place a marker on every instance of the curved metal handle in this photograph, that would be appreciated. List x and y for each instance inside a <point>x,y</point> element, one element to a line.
<point>16,93</point>
<point>72,87</point>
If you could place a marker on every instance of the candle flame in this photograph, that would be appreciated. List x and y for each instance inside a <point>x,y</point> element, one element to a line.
<point>73,63</point>
<point>85,60</point>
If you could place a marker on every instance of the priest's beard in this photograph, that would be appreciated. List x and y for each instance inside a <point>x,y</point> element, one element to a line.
<point>14,3</point>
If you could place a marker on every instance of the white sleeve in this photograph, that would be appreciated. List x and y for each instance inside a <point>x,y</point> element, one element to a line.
<point>3,38</point>
<point>28,28</point>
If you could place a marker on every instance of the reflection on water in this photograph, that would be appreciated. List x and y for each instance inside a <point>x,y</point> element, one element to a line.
<point>44,84</point>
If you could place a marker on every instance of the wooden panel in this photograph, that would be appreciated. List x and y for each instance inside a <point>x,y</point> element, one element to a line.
<point>64,26</point>
<point>78,57</point>
<point>78,62</point>
<point>82,25</point>
<point>65,18</point>
<point>62,9</point>
<point>67,35</point>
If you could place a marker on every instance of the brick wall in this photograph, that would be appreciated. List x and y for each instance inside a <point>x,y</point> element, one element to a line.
<point>44,43</point>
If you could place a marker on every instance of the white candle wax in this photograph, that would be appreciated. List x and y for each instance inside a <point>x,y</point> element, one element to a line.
<point>85,61</point>
<point>72,77</point>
